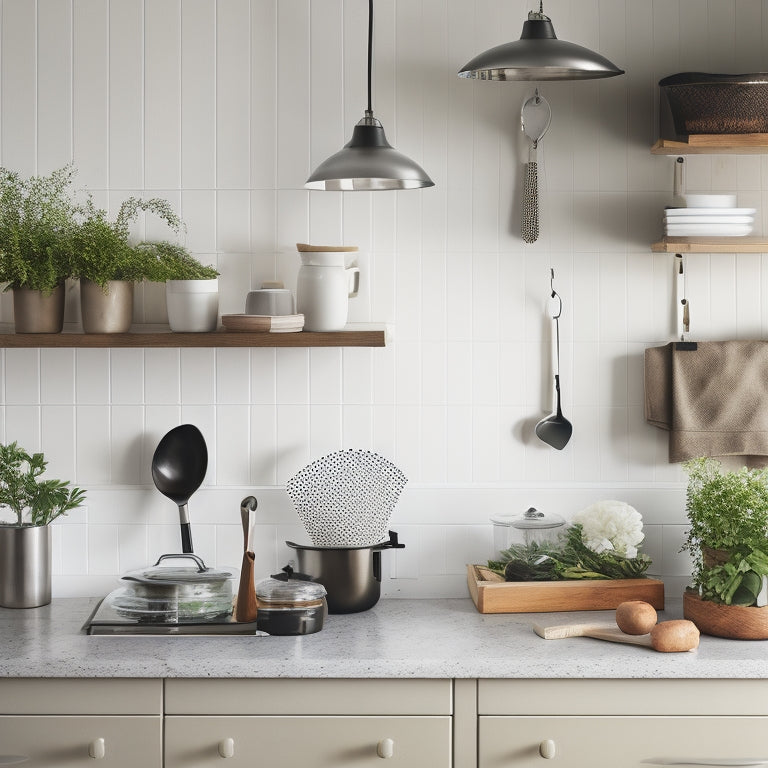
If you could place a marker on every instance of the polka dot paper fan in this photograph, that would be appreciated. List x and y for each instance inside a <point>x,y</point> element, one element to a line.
<point>345,499</point>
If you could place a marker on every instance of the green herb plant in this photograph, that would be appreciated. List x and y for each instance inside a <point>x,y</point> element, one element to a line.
<point>727,511</point>
<point>175,262</point>
<point>32,500</point>
<point>566,558</point>
<point>37,219</point>
<point>102,247</point>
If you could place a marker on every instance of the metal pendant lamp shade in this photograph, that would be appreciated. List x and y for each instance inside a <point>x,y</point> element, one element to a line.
<point>539,55</point>
<point>368,162</point>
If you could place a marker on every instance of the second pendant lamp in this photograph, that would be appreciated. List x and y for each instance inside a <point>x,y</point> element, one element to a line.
<point>368,162</point>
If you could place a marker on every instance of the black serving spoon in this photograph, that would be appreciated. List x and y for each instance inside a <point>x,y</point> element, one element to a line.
<point>178,468</point>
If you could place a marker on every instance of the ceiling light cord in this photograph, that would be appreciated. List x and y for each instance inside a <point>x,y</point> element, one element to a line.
<point>369,111</point>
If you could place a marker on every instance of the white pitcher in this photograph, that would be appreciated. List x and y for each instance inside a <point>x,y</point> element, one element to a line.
<point>324,288</point>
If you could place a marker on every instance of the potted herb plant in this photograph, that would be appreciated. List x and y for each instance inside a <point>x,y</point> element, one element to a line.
<point>728,540</point>
<point>108,264</point>
<point>191,289</point>
<point>25,541</point>
<point>36,224</point>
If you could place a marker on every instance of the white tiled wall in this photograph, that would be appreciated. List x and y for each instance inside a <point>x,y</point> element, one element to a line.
<point>224,107</point>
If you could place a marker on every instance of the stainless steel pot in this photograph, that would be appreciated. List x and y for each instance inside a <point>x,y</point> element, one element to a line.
<point>350,575</point>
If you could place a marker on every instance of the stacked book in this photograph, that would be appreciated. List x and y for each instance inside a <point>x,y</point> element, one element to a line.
<point>709,222</point>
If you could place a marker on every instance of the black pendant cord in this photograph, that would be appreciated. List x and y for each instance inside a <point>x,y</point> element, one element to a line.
<point>370,54</point>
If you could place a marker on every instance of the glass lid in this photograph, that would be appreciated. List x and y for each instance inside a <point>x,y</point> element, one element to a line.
<point>530,519</point>
<point>288,587</point>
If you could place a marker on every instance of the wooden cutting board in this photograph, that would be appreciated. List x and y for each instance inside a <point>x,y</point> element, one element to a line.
<point>491,594</point>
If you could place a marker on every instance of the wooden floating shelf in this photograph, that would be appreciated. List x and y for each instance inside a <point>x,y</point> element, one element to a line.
<point>711,245</point>
<point>353,337</point>
<point>714,143</point>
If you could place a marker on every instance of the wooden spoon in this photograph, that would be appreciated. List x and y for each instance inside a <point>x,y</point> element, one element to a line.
<point>667,636</point>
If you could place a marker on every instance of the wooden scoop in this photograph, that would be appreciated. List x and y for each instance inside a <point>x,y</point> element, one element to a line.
<point>667,636</point>
<point>245,608</point>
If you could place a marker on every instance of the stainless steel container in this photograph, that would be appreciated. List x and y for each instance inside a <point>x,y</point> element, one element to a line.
<point>25,566</point>
<point>350,575</point>
<point>106,311</point>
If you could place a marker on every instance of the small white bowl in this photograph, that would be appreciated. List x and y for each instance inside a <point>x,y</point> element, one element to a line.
<point>706,200</point>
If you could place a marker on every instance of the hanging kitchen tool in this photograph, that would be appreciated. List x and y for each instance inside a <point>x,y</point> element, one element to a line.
<point>179,465</point>
<point>245,609</point>
<point>345,499</point>
<point>555,430</point>
<point>535,117</point>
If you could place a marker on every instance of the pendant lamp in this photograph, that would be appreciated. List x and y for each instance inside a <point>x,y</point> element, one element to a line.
<point>368,162</point>
<point>539,55</point>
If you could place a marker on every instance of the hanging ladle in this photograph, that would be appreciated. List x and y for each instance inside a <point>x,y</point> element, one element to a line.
<point>535,117</point>
<point>555,430</point>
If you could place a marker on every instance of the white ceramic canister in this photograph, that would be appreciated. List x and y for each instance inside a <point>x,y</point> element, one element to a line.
<point>324,286</point>
<point>193,305</point>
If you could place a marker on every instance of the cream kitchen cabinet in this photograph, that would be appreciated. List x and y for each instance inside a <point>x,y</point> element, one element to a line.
<point>626,723</point>
<point>73,723</point>
<point>312,723</point>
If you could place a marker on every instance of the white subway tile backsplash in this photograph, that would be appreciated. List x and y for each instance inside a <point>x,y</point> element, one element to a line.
<point>22,424</point>
<point>197,101</point>
<point>22,376</point>
<point>162,385</point>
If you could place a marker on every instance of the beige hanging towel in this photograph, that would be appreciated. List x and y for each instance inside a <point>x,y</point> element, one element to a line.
<point>711,396</point>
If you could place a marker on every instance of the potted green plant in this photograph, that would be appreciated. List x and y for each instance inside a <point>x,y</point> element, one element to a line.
<point>36,224</point>
<point>191,288</point>
<point>108,264</point>
<point>728,540</point>
<point>25,540</point>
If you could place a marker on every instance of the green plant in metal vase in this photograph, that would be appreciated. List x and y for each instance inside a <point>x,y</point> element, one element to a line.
<point>103,250</point>
<point>32,500</point>
<point>728,534</point>
<point>37,216</point>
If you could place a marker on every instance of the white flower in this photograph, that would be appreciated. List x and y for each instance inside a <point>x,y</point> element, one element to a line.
<point>611,526</point>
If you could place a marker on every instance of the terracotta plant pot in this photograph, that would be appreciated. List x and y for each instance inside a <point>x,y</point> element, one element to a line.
<point>38,312</point>
<point>107,310</point>
<point>737,622</point>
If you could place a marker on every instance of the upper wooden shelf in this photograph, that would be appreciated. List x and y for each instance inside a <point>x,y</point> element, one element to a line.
<point>711,245</point>
<point>350,337</point>
<point>714,143</point>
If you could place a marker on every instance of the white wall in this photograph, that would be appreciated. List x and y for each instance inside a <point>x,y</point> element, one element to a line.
<point>224,108</point>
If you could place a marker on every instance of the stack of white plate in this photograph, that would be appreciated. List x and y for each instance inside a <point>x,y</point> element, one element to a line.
<point>709,215</point>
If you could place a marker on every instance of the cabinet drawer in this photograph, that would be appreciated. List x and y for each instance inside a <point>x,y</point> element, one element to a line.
<point>619,742</point>
<point>310,742</point>
<point>64,742</point>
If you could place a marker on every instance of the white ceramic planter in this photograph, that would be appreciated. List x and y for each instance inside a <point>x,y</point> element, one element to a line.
<point>193,305</point>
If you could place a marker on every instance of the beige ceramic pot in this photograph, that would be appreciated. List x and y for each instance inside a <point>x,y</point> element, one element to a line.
<point>107,310</point>
<point>38,312</point>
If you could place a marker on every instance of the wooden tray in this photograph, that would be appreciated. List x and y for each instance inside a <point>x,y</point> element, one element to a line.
<point>734,621</point>
<point>493,596</point>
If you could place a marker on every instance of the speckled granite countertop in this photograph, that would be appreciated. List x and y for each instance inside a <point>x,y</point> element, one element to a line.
<point>396,638</point>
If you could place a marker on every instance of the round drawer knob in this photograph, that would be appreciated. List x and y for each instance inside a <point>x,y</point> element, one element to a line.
<point>97,749</point>
<point>547,749</point>
<point>385,748</point>
<point>227,748</point>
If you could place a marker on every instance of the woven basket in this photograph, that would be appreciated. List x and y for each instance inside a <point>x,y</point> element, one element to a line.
<point>705,103</point>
